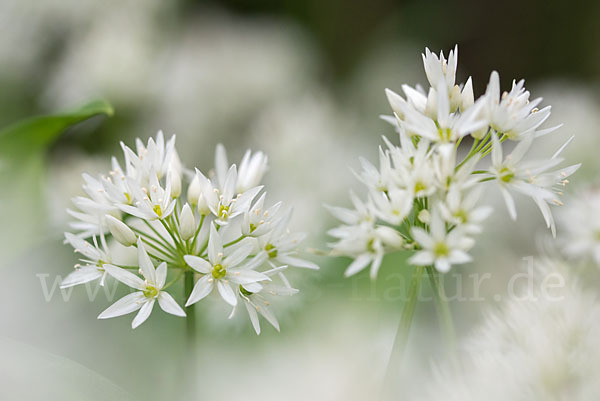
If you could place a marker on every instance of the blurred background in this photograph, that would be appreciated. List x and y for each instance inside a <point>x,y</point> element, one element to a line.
<point>303,81</point>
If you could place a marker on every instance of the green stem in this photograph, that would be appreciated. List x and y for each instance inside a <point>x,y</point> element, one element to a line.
<point>190,319</point>
<point>241,237</point>
<point>442,307</point>
<point>399,347</point>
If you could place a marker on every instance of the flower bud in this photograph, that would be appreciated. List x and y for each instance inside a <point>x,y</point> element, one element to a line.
<point>389,236</point>
<point>187,223</point>
<point>175,182</point>
<point>424,216</point>
<point>194,190</point>
<point>203,208</point>
<point>120,231</point>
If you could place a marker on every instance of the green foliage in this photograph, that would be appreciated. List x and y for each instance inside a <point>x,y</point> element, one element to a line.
<point>23,147</point>
<point>35,134</point>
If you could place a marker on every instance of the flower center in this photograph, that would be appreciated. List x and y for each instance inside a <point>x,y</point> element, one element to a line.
<point>218,271</point>
<point>506,174</point>
<point>445,134</point>
<point>158,210</point>
<point>128,197</point>
<point>461,215</point>
<point>419,186</point>
<point>223,211</point>
<point>271,251</point>
<point>441,249</point>
<point>150,291</point>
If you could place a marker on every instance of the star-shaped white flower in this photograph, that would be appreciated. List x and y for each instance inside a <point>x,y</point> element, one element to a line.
<point>149,290</point>
<point>222,270</point>
<point>438,247</point>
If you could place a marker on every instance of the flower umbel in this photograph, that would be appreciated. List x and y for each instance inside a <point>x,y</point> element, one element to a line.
<point>219,233</point>
<point>425,196</point>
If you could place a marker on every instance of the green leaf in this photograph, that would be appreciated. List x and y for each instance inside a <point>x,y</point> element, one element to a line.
<point>23,204</point>
<point>35,134</point>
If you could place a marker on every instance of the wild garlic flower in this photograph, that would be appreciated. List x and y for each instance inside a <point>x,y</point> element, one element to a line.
<point>580,224</point>
<point>540,344</point>
<point>425,194</point>
<point>217,233</point>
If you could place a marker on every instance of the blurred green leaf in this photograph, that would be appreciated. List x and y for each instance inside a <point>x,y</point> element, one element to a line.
<point>37,133</point>
<point>23,204</point>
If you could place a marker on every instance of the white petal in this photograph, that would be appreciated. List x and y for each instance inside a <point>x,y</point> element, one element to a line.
<point>80,276</point>
<point>129,303</point>
<point>125,276</point>
<point>238,255</point>
<point>145,263</point>
<point>226,292</point>
<point>442,265</point>
<point>215,245</point>
<point>358,264</point>
<point>168,304</point>
<point>297,262</point>
<point>202,288</point>
<point>143,314</point>
<point>422,258</point>
<point>375,266</point>
<point>240,276</point>
<point>161,275</point>
<point>510,203</point>
<point>253,317</point>
<point>197,263</point>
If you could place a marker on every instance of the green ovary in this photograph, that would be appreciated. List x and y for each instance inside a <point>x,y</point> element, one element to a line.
<point>506,174</point>
<point>441,249</point>
<point>218,271</point>
<point>271,251</point>
<point>158,210</point>
<point>150,292</point>
<point>419,186</point>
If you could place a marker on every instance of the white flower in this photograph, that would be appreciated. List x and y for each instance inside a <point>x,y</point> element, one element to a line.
<point>150,290</point>
<point>258,221</point>
<point>541,344</point>
<point>224,202</point>
<point>440,248</point>
<point>366,244</point>
<point>530,178</point>
<point>154,202</point>
<point>462,210</point>
<point>255,299</point>
<point>223,269</point>
<point>221,232</point>
<point>422,188</point>
<point>281,246</point>
<point>94,261</point>
<point>513,114</point>
<point>156,157</point>
<point>580,223</point>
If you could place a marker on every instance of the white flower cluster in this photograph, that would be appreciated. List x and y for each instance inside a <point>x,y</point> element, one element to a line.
<point>540,345</point>
<point>424,196</point>
<point>580,222</point>
<point>223,235</point>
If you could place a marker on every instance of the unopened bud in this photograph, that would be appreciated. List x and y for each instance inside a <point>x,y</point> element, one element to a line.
<point>194,191</point>
<point>187,225</point>
<point>175,183</point>
<point>424,216</point>
<point>120,231</point>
